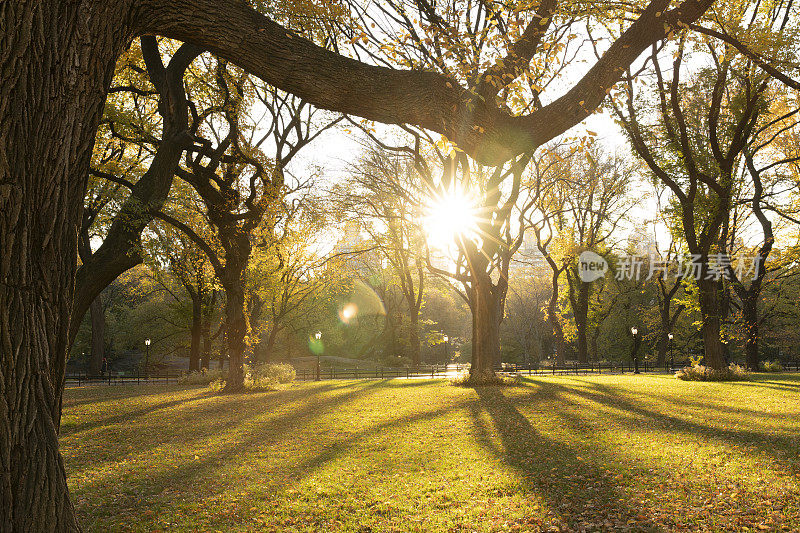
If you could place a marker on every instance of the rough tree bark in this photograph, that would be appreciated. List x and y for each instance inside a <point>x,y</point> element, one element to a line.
<point>98,317</point>
<point>486,319</point>
<point>196,330</point>
<point>56,60</point>
<point>710,311</point>
<point>236,323</point>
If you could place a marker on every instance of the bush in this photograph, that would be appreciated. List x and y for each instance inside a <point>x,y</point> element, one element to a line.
<point>465,379</point>
<point>204,377</point>
<point>266,376</point>
<point>698,372</point>
<point>771,366</point>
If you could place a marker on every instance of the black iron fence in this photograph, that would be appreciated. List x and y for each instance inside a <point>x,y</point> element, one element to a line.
<point>429,371</point>
<point>122,378</point>
<point>612,367</point>
<point>589,368</point>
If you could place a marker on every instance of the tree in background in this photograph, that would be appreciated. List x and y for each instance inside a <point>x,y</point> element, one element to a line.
<point>726,98</point>
<point>285,275</point>
<point>595,205</point>
<point>189,265</point>
<point>765,179</point>
<point>241,186</point>
<point>526,334</point>
<point>379,195</point>
<point>146,96</point>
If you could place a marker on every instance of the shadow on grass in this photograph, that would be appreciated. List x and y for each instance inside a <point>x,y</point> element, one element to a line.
<point>574,486</point>
<point>579,494</point>
<point>255,434</point>
<point>770,444</point>
<point>68,430</point>
<point>789,383</point>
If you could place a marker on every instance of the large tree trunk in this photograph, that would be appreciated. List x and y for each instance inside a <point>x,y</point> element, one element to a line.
<point>98,317</point>
<point>485,329</point>
<point>197,331</point>
<point>236,325</point>
<point>413,338</point>
<point>750,316</point>
<point>710,311</point>
<point>56,60</point>
<point>581,320</point>
<point>555,323</point>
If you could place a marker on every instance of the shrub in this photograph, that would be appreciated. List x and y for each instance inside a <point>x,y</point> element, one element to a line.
<point>267,375</point>
<point>465,379</point>
<point>204,377</point>
<point>698,372</point>
<point>771,366</point>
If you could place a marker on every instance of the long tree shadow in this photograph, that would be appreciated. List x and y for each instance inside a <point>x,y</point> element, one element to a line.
<point>287,396</point>
<point>788,383</point>
<point>579,493</point>
<point>68,430</point>
<point>305,406</point>
<point>263,434</point>
<point>257,438</point>
<point>633,415</point>
<point>676,404</point>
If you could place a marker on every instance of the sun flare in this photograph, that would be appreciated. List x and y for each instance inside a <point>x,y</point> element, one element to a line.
<point>450,217</point>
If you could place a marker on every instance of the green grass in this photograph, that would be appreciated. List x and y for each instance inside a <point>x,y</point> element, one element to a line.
<point>590,453</point>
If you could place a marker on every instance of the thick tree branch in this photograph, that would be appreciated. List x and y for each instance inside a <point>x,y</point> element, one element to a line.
<point>120,250</point>
<point>235,31</point>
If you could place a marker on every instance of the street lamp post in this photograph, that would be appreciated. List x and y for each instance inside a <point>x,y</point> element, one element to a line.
<point>634,332</point>
<point>147,356</point>
<point>671,355</point>
<point>318,336</point>
<point>446,349</point>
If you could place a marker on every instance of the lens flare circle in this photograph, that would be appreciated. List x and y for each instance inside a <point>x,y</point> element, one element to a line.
<point>348,313</point>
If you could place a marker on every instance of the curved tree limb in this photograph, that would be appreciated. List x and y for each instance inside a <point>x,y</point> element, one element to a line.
<point>235,31</point>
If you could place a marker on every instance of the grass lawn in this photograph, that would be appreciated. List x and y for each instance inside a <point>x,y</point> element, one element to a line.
<point>645,453</point>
